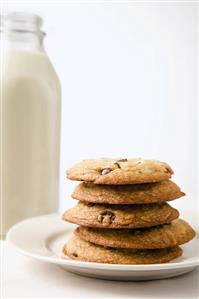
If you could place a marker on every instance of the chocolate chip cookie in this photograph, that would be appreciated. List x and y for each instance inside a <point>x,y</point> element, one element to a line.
<point>120,216</point>
<point>120,171</point>
<point>79,249</point>
<point>128,194</point>
<point>168,235</point>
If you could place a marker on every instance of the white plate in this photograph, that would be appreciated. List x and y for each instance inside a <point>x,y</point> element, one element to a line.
<point>43,237</point>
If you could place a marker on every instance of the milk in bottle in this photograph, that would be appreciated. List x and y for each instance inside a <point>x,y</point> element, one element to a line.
<point>30,122</point>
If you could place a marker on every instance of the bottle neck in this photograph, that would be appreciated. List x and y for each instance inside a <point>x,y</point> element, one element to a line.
<point>24,41</point>
<point>21,31</point>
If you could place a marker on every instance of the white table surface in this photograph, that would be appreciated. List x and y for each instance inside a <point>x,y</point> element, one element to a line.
<point>27,278</point>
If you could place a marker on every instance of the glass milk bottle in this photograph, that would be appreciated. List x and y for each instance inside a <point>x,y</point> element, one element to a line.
<point>30,122</point>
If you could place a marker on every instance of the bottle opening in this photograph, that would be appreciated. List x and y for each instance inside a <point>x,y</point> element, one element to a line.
<point>21,22</point>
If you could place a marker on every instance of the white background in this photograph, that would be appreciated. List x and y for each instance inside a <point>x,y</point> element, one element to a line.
<point>128,73</point>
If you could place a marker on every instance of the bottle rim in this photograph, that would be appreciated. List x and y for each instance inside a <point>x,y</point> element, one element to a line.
<point>21,22</point>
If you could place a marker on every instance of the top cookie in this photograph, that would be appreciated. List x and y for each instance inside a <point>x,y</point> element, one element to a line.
<point>120,171</point>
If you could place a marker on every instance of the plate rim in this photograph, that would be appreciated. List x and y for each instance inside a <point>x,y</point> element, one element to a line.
<point>192,262</point>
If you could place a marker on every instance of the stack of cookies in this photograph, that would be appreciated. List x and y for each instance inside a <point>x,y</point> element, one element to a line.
<point>123,214</point>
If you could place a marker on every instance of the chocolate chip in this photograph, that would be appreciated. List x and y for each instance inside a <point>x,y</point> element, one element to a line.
<point>106,171</point>
<point>106,217</point>
<point>75,254</point>
<point>166,170</point>
<point>122,160</point>
<point>117,164</point>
